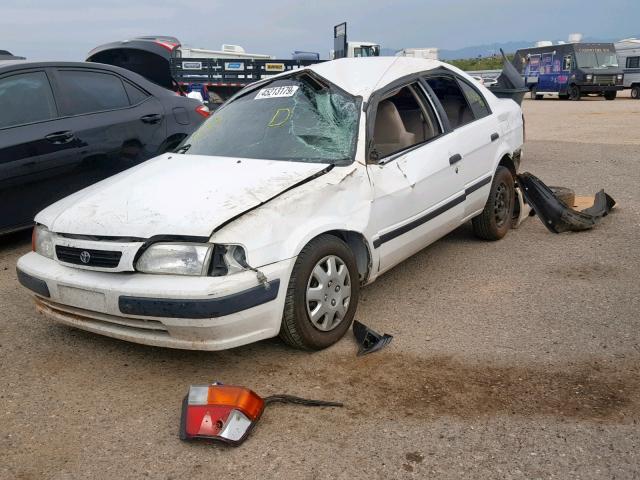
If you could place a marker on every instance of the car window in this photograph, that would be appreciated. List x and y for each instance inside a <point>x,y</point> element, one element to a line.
<point>476,100</point>
<point>87,92</point>
<point>566,62</point>
<point>452,99</point>
<point>296,119</point>
<point>403,120</point>
<point>26,98</point>
<point>633,62</point>
<point>135,95</point>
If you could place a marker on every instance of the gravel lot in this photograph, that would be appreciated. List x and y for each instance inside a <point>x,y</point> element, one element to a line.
<point>515,359</point>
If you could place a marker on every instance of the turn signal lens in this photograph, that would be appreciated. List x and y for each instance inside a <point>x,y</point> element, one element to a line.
<point>203,110</point>
<point>220,412</point>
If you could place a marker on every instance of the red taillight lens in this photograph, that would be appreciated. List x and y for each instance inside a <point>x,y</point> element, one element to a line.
<point>203,110</point>
<point>33,239</point>
<point>220,412</point>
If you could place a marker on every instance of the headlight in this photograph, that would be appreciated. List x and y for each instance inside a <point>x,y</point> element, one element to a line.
<point>42,241</point>
<point>589,77</point>
<point>228,259</point>
<point>620,77</point>
<point>176,258</point>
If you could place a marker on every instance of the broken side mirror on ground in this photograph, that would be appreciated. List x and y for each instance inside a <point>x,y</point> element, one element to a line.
<point>227,413</point>
<point>369,340</point>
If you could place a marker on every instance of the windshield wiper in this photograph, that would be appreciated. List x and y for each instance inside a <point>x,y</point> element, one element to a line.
<point>183,148</point>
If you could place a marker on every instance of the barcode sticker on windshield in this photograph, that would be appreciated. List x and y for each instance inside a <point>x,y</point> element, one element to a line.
<point>276,92</point>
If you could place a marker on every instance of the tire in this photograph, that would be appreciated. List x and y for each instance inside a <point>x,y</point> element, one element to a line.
<point>610,95</point>
<point>534,93</point>
<point>495,220</point>
<point>298,329</point>
<point>635,92</point>
<point>565,195</point>
<point>574,93</point>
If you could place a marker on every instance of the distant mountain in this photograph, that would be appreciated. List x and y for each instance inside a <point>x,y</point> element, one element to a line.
<point>494,48</point>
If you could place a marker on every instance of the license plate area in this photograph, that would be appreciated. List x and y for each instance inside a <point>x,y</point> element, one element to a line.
<point>78,297</point>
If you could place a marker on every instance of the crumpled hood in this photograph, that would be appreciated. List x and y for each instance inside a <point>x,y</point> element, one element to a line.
<point>174,195</point>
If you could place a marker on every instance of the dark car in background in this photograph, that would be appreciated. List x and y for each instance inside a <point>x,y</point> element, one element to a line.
<point>66,125</point>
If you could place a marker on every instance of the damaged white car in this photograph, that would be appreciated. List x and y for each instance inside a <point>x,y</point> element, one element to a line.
<point>271,216</point>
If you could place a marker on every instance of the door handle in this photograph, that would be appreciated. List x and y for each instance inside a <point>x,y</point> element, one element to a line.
<point>495,136</point>
<point>455,158</point>
<point>152,118</point>
<point>59,138</point>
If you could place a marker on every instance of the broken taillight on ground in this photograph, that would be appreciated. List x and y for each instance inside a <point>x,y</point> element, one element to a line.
<point>228,413</point>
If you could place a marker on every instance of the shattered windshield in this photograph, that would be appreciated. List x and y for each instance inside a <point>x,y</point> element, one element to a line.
<point>298,119</point>
<point>596,58</point>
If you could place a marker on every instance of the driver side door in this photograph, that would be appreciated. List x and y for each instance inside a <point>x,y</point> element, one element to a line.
<point>418,192</point>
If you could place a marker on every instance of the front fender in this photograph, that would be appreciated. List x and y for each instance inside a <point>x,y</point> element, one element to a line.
<point>280,228</point>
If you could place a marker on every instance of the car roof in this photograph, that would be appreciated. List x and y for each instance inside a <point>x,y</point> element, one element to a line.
<point>7,66</point>
<point>362,76</point>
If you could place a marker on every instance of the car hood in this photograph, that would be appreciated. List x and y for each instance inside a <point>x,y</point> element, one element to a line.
<point>175,194</point>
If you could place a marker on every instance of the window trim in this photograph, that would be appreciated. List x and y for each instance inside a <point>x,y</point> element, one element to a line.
<point>61,90</point>
<point>47,74</point>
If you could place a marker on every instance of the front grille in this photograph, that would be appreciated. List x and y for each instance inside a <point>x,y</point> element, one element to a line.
<point>87,257</point>
<point>604,79</point>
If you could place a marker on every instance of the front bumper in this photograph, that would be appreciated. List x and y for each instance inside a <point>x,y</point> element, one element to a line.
<point>195,313</point>
<point>588,88</point>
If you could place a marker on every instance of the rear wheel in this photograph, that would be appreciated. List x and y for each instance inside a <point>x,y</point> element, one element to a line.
<point>574,92</point>
<point>610,95</point>
<point>534,93</point>
<point>495,220</point>
<point>322,296</point>
<point>635,92</point>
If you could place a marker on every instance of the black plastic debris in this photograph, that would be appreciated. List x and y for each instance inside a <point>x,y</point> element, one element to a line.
<point>557,216</point>
<point>369,340</point>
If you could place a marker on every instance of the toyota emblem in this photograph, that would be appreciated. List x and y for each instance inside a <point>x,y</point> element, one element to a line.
<point>85,257</point>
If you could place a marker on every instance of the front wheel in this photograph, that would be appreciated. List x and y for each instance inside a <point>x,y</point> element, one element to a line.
<point>322,296</point>
<point>610,95</point>
<point>635,92</point>
<point>495,220</point>
<point>574,92</point>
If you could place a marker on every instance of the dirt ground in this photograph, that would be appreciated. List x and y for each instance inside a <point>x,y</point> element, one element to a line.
<point>514,359</point>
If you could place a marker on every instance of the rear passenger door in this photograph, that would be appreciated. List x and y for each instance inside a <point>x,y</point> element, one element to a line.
<point>477,133</point>
<point>37,148</point>
<point>117,123</point>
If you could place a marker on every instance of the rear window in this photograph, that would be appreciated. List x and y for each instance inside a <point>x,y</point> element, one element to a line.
<point>25,98</point>
<point>88,92</point>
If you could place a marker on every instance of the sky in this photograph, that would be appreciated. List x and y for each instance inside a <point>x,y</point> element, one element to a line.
<point>68,29</point>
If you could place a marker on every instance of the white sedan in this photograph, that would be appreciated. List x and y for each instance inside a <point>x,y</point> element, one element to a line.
<point>271,216</point>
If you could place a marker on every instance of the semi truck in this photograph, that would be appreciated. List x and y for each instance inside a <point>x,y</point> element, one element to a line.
<point>222,73</point>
